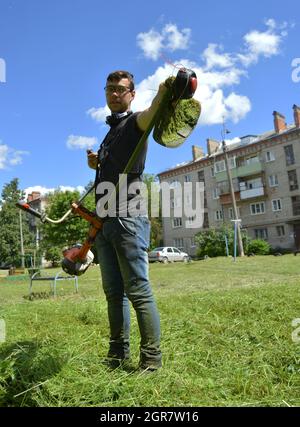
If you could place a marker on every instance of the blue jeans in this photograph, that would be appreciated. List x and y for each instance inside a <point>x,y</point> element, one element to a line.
<point>122,252</point>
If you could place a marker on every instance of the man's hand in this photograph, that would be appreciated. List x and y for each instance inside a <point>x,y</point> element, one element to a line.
<point>92,159</point>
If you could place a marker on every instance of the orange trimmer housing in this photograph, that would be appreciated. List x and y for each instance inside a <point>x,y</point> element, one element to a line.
<point>79,257</point>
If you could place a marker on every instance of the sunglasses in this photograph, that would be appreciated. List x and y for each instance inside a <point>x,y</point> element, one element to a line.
<point>120,90</point>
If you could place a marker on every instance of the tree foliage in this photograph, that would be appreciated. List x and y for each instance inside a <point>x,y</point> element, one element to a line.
<point>54,255</point>
<point>212,242</point>
<point>10,240</point>
<point>258,247</point>
<point>74,229</point>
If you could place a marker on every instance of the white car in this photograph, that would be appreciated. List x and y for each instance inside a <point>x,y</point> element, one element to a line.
<point>167,254</point>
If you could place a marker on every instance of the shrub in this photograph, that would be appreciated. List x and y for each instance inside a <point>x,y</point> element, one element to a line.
<point>212,242</point>
<point>258,247</point>
<point>54,254</point>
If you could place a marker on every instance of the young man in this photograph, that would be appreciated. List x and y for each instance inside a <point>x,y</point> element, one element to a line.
<point>123,241</point>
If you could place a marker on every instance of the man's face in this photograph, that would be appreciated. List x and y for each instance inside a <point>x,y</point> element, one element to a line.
<point>118,95</point>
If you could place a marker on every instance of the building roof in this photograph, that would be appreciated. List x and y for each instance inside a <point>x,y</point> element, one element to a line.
<point>246,140</point>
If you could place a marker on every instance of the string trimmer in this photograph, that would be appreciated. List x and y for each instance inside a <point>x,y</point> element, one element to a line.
<point>173,122</point>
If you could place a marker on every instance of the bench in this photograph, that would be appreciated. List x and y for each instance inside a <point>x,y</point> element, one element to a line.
<point>54,279</point>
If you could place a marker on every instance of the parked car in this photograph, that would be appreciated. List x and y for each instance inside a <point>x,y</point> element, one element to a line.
<point>167,254</point>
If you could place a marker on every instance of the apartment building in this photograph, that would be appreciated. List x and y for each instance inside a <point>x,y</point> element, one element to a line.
<point>265,175</point>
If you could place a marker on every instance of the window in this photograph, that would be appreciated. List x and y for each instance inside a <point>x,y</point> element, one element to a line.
<point>187,178</point>
<point>193,243</point>
<point>253,183</point>
<point>280,230</point>
<point>201,176</point>
<point>218,215</point>
<point>205,200</point>
<point>216,193</point>
<point>205,220</point>
<point>178,243</point>
<point>232,164</point>
<point>253,159</point>
<point>276,205</point>
<point>273,180</point>
<point>257,208</point>
<point>261,233</point>
<point>177,222</point>
<point>296,205</point>
<point>293,181</point>
<point>289,155</point>
<point>230,213</point>
<point>212,171</point>
<point>219,166</point>
<point>270,156</point>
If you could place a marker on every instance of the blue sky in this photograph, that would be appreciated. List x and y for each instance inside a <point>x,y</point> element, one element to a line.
<point>55,56</point>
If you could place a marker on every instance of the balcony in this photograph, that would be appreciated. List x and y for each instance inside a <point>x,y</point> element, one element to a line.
<point>253,192</point>
<point>225,199</point>
<point>223,188</point>
<point>245,170</point>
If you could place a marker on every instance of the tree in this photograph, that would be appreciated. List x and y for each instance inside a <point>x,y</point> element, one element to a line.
<point>74,229</point>
<point>156,222</point>
<point>10,240</point>
<point>212,242</point>
<point>54,255</point>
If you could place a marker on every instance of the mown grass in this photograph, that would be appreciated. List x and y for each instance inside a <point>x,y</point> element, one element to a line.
<point>226,339</point>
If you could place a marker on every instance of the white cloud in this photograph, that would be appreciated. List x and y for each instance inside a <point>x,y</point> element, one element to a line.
<point>64,188</point>
<point>218,75</point>
<point>237,107</point>
<point>256,44</point>
<point>176,39</point>
<point>147,88</point>
<point>232,141</point>
<point>215,105</point>
<point>263,43</point>
<point>153,43</point>
<point>81,142</point>
<point>9,156</point>
<point>215,59</point>
<point>99,114</point>
<point>3,155</point>
<point>45,190</point>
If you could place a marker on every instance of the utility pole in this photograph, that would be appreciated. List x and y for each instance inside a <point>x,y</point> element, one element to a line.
<point>21,238</point>
<point>235,212</point>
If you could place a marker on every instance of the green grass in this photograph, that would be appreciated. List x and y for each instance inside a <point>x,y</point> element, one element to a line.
<point>226,339</point>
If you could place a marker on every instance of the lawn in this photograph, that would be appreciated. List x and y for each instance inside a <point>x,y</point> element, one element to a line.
<point>226,339</point>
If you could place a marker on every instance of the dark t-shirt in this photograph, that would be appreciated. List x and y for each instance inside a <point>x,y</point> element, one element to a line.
<point>113,156</point>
